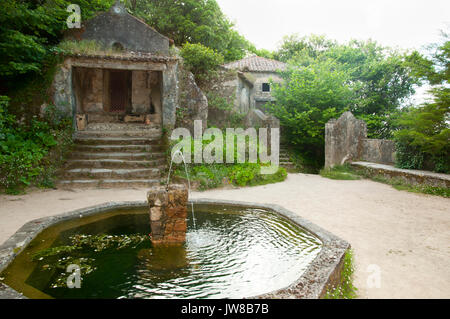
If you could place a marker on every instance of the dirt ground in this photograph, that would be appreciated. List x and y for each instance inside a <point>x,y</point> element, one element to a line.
<point>401,240</point>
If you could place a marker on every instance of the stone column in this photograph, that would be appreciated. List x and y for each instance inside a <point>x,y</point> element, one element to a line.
<point>168,214</point>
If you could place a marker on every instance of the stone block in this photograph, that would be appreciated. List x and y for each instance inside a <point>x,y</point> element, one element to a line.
<point>81,122</point>
<point>168,214</point>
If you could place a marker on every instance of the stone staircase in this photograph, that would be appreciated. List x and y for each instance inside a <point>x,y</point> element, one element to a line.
<point>285,160</point>
<point>115,155</point>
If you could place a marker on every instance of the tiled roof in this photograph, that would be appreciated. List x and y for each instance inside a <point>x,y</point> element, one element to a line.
<point>255,64</point>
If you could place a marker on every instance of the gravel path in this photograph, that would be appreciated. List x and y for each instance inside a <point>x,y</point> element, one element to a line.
<point>405,236</point>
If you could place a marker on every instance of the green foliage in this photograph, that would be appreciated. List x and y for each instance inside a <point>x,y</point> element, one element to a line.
<point>84,47</point>
<point>400,185</point>
<point>200,59</point>
<point>339,172</point>
<point>193,21</point>
<point>29,153</point>
<point>294,45</point>
<point>345,289</point>
<point>217,174</point>
<point>303,164</point>
<point>28,32</point>
<point>212,176</point>
<point>423,141</point>
<point>380,79</point>
<point>424,135</point>
<point>58,258</point>
<point>310,96</point>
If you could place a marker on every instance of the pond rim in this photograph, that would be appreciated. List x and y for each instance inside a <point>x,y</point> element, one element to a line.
<point>321,274</point>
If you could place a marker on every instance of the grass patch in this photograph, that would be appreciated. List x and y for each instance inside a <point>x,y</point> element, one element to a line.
<point>345,289</point>
<point>341,172</point>
<point>346,172</point>
<point>84,47</point>
<point>400,185</point>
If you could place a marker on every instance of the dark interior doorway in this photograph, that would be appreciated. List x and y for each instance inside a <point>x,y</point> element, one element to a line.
<point>119,90</point>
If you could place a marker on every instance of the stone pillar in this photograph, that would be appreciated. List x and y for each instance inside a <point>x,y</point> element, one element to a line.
<point>344,139</point>
<point>168,214</point>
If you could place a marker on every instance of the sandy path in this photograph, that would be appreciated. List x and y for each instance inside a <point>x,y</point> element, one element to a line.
<point>406,235</point>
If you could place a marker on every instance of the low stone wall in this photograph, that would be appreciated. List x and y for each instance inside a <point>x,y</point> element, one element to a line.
<point>346,140</point>
<point>408,176</point>
<point>168,214</point>
<point>378,151</point>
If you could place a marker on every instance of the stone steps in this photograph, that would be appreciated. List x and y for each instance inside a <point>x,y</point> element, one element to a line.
<point>114,163</point>
<point>109,183</point>
<point>86,139</point>
<point>113,158</point>
<point>285,160</point>
<point>105,127</point>
<point>118,148</point>
<point>105,173</point>
<point>119,156</point>
<point>154,134</point>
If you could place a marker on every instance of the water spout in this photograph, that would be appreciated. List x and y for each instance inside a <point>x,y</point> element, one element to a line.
<point>178,152</point>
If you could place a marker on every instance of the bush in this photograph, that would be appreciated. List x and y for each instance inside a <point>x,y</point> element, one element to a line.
<point>200,60</point>
<point>422,141</point>
<point>30,153</point>
<point>310,96</point>
<point>239,174</point>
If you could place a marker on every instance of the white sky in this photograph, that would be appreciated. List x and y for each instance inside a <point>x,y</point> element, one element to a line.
<point>395,23</point>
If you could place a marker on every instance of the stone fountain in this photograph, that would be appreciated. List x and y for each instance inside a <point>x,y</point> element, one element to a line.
<point>168,214</point>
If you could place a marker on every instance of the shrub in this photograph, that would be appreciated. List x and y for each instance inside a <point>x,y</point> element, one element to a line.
<point>422,141</point>
<point>30,153</point>
<point>240,174</point>
<point>200,59</point>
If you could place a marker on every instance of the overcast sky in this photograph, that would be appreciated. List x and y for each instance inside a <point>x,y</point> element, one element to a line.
<point>396,23</point>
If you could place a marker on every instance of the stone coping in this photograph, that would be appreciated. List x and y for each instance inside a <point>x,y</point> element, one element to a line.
<point>323,271</point>
<point>410,175</point>
<point>128,56</point>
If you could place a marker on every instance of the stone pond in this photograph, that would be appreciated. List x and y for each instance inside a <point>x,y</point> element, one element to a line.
<point>162,249</point>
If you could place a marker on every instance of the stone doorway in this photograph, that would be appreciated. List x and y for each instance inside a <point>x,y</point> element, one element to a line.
<point>106,95</point>
<point>119,91</point>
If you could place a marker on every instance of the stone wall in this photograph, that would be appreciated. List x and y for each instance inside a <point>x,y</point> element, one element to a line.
<point>378,151</point>
<point>170,95</point>
<point>168,214</point>
<point>192,101</point>
<point>346,140</point>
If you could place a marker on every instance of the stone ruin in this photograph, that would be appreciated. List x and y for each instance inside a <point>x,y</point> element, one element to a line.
<point>346,140</point>
<point>168,214</point>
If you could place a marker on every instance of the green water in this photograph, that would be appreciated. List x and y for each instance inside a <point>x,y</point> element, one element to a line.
<point>232,253</point>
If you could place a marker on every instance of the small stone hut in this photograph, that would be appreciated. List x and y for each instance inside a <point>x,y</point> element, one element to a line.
<point>135,75</point>
<point>252,83</point>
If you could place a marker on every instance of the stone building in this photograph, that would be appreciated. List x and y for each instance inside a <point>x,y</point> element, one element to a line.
<point>252,82</point>
<point>122,97</point>
<point>134,75</point>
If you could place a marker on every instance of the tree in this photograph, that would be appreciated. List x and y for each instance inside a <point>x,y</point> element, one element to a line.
<point>295,45</point>
<point>193,21</point>
<point>381,78</point>
<point>29,30</point>
<point>310,96</point>
<point>423,140</point>
<point>200,60</point>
